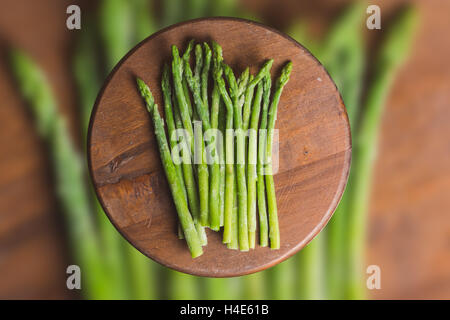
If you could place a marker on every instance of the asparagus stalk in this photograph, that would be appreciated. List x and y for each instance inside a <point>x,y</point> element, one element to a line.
<point>214,202</point>
<point>222,117</point>
<point>240,161</point>
<point>177,72</point>
<point>188,175</point>
<point>391,57</point>
<point>187,223</point>
<point>68,172</point>
<point>251,166</point>
<point>234,243</point>
<point>171,129</point>
<point>194,83</point>
<point>186,58</point>
<point>217,183</point>
<point>274,232</point>
<point>242,83</point>
<point>205,74</point>
<point>262,140</point>
<point>229,147</point>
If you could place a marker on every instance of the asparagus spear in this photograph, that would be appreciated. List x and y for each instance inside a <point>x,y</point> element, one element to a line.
<point>177,72</point>
<point>173,137</point>
<point>205,74</point>
<point>187,223</point>
<point>229,146</point>
<point>217,188</point>
<point>68,172</point>
<point>274,232</point>
<point>251,166</point>
<point>194,83</point>
<point>186,57</point>
<point>262,140</point>
<point>240,160</point>
<point>242,83</point>
<point>214,202</point>
<point>234,242</point>
<point>171,130</point>
<point>392,55</point>
<point>188,175</point>
<point>221,151</point>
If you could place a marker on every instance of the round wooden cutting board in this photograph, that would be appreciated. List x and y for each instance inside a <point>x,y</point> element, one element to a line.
<point>314,148</point>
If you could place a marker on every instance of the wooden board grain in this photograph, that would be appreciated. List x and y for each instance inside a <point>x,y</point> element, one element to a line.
<point>314,148</point>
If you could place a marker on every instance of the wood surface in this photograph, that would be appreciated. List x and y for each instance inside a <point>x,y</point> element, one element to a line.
<point>314,148</point>
<point>409,220</point>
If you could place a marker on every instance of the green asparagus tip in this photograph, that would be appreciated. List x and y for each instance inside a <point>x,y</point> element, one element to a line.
<point>175,52</point>
<point>145,93</point>
<point>262,72</point>
<point>206,47</point>
<point>246,72</point>
<point>285,74</point>
<point>188,51</point>
<point>198,49</point>
<point>218,53</point>
<point>244,78</point>
<point>267,66</point>
<point>217,60</point>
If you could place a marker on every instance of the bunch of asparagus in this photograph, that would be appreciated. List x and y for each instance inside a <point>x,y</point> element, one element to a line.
<point>230,184</point>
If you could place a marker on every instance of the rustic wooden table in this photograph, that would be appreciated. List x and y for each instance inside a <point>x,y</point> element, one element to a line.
<point>410,224</point>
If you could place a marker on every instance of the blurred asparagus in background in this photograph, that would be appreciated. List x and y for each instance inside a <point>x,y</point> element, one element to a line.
<point>392,54</point>
<point>68,170</point>
<point>87,79</point>
<point>343,55</point>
